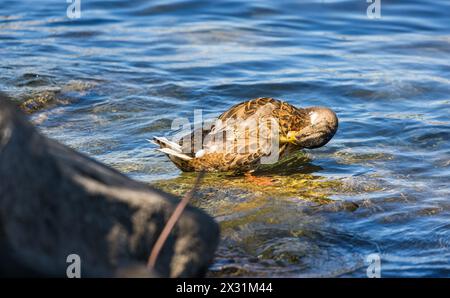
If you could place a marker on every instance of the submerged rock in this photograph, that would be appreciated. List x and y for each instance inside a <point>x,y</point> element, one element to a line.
<point>48,95</point>
<point>284,228</point>
<point>40,100</point>
<point>55,202</point>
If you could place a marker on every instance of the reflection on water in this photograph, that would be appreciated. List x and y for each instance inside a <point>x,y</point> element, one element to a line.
<point>108,81</point>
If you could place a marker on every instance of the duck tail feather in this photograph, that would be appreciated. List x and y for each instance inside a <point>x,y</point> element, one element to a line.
<point>165,143</point>
<point>174,153</point>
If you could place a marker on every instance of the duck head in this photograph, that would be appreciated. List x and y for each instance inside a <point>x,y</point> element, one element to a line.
<point>321,126</point>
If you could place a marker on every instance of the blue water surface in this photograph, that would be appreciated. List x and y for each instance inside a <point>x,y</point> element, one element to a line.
<point>126,69</point>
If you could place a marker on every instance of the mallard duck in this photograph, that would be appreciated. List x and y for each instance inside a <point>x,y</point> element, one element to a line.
<point>296,129</point>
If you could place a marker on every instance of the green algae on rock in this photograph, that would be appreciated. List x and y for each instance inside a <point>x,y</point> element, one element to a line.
<point>41,98</point>
<point>275,225</point>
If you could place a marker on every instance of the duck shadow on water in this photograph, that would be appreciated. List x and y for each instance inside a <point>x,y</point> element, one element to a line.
<point>299,163</point>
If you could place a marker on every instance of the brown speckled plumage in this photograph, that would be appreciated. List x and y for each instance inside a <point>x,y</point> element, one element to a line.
<point>290,119</point>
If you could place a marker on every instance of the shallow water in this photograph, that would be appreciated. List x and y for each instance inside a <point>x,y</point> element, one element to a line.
<point>108,81</point>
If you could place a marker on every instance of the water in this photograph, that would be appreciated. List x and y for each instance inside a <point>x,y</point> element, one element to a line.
<point>108,81</point>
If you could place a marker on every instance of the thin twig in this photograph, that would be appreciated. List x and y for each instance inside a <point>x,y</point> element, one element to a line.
<point>171,223</point>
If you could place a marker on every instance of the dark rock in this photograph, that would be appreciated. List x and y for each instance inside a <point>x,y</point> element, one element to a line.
<point>55,202</point>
